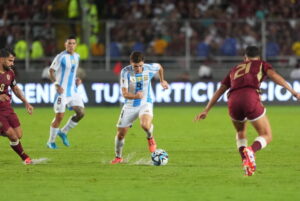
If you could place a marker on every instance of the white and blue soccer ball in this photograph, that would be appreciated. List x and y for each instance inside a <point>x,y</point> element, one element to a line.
<point>159,157</point>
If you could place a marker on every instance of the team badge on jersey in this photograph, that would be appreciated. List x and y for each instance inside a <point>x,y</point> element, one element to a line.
<point>146,77</point>
<point>132,79</point>
<point>8,77</point>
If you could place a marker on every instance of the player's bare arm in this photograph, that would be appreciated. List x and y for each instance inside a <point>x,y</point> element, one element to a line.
<point>211,103</point>
<point>278,79</point>
<point>59,89</point>
<point>163,82</point>
<point>129,95</point>
<point>19,94</point>
<point>4,97</point>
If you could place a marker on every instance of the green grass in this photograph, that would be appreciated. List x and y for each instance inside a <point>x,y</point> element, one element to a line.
<point>204,164</point>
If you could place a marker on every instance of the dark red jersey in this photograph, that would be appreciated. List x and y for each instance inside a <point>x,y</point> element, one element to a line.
<point>7,79</point>
<point>248,74</point>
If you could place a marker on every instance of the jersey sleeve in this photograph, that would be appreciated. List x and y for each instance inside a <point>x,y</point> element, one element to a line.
<point>267,66</point>
<point>226,81</point>
<point>154,67</point>
<point>124,79</point>
<point>13,79</point>
<point>56,63</point>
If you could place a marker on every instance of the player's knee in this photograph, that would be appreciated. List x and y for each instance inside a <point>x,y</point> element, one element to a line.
<point>120,135</point>
<point>80,115</point>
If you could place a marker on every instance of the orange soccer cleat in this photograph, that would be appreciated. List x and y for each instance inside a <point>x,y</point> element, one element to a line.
<point>117,160</point>
<point>151,144</point>
<point>250,157</point>
<point>27,161</point>
<point>246,168</point>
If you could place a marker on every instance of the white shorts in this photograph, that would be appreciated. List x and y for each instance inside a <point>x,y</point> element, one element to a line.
<point>62,101</point>
<point>129,114</point>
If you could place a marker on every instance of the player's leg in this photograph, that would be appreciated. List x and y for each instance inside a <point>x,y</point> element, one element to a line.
<point>59,109</point>
<point>119,144</point>
<point>16,145</point>
<point>263,128</point>
<point>71,123</point>
<point>77,105</point>
<point>126,118</point>
<point>241,138</point>
<point>54,128</point>
<point>146,116</point>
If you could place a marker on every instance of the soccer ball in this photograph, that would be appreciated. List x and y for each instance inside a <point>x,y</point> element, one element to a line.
<point>159,157</point>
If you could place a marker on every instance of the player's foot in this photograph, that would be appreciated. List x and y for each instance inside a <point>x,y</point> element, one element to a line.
<point>151,144</point>
<point>64,138</point>
<point>249,154</point>
<point>117,160</point>
<point>27,161</point>
<point>51,145</point>
<point>246,168</point>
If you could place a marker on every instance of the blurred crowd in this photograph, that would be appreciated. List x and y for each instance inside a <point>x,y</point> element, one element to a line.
<point>216,27</point>
<point>156,27</point>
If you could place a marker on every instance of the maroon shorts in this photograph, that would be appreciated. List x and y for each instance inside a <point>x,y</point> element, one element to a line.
<point>245,104</point>
<point>8,118</point>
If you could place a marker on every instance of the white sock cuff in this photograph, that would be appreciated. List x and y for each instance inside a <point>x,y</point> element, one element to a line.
<point>241,142</point>
<point>262,141</point>
<point>73,123</point>
<point>14,143</point>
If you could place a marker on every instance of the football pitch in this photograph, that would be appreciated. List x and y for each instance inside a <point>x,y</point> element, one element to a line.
<point>203,163</point>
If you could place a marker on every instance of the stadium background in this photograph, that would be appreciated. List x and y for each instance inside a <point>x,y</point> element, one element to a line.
<point>182,35</point>
<point>196,41</point>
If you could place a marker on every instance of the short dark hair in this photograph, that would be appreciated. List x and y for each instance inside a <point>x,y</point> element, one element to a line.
<point>71,37</point>
<point>252,51</point>
<point>136,57</point>
<point>6,52</point>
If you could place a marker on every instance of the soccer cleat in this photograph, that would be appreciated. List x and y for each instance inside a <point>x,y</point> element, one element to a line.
<point>249,154</point>
<point>64,138</point>
<point>117,160</point>
<point>151,144</point>
<point>246,168</point>
<point>27,161</point>
<point>51,145</point>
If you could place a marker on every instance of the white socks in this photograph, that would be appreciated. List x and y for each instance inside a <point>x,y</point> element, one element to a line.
<point>241,143</point>
<point>53,134</point>
<point>119,146</point>
<point>262,141</point>
<point>14,143</point>
<point>150,131</point>
<point>70,124</point>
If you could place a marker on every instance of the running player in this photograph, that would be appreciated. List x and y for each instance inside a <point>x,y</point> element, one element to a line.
<point>243,82</point>
<point>9,122</point>
<point>63,74</point>
<point>135,81</point>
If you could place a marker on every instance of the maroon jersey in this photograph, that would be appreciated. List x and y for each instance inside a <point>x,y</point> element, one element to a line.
<point>248,74</point>
<point>7,79</point>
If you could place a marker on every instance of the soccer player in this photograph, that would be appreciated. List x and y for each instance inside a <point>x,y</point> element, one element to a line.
<point>9,122</point>
<point>243,82</point>
<point>63,75</point>
<point>135,81</point>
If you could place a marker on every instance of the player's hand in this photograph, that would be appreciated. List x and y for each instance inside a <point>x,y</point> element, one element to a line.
<point>297,95</point>
<point>201,115</point>
<point>139,95</point>
<point>29,108</point>
<point>4,97</point>
<point>59,89</point>
<point>164,84</point>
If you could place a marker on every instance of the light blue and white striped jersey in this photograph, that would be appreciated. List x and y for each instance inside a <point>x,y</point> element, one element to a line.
<point>139,82</point>
<point>65,66</point>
